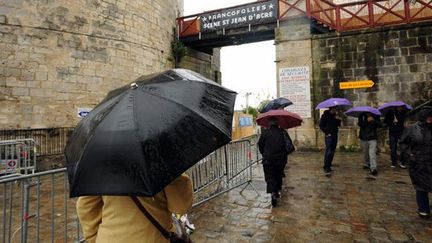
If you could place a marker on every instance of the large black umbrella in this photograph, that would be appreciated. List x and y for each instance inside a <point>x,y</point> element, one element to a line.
<point>144,135</point>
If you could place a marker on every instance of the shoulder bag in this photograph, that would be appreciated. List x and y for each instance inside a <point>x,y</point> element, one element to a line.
<point>174,237</point>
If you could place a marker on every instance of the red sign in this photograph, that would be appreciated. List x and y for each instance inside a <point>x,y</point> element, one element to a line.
<point>12,164</point>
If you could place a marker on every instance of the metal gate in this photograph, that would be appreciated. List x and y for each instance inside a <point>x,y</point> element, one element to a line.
<point>17,157</point>
<point>227,168</point>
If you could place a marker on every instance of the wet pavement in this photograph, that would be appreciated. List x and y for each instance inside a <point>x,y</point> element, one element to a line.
<point>349,206</point>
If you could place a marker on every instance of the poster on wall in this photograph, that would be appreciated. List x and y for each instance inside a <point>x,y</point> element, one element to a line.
<point>294,84</point>
<point>248,14</point>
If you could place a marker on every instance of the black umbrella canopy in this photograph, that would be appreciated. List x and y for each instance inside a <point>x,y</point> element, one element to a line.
<point>142,136</point>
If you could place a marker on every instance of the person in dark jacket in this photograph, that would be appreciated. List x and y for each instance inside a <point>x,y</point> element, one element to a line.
<point>369,124</point>
<point>394,120</point>
<point>329,124</point>
<point>418,141</point>
<point>271,145</point>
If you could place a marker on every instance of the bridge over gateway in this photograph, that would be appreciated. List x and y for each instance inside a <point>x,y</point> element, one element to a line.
<point>321,45</point>
<point>258,21</point>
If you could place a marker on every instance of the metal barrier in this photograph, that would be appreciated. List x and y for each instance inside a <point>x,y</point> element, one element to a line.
<point>227,168</point>
<point>49,141</point>
<point>17,157</point>
<point>37,207</point>
<point>256,156</point>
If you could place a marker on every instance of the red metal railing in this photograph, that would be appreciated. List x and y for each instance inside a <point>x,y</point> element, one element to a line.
<point>339,16</point>
<point>360,14</point>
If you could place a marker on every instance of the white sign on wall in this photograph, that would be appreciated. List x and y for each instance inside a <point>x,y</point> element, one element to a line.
<point>83,112</point>
<point>294,84</point>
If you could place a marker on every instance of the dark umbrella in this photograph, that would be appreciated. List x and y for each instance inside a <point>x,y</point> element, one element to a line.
<point>388,106</point>
<point>276,104</point>
<point>333,102</point>
<point>284,118</point>
<point>143,136</point>
<point>356,111</point>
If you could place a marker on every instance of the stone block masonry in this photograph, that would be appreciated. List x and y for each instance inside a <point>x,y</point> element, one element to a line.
<point>58,56</point>
<point>396,59</point>
<point>205,64</point>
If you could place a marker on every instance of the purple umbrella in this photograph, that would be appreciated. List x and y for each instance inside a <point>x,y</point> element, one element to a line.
<point>356,111</point>
<point>333,102</point>
<point>388,106</point>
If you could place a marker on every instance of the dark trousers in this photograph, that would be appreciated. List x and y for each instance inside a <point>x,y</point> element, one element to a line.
<point>331,143</point>
<point>393,141</point>
<point>273,176</point>
<point>423,201</point>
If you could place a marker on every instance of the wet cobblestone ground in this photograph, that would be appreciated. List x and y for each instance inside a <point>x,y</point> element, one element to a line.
<point>349,206</point>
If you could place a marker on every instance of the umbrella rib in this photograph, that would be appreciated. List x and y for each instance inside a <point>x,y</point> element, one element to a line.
<point>187,108</point>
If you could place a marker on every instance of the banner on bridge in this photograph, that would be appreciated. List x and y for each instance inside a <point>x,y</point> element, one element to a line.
<point>250,14</point>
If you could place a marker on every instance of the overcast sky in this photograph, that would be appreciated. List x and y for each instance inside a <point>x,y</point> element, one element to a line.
<point>245,68</point>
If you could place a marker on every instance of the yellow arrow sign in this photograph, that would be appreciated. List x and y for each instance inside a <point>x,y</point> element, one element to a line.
<point>356,84</point>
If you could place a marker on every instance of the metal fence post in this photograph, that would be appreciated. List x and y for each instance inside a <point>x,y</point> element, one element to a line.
<point>25,211</point>
<point>226,163</point>
<point>4,211</point>
<point>250,164</point>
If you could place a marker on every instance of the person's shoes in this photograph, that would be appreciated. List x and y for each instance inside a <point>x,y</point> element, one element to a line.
<point>366,167</point>
<point>327,172</point>
<point>274,200</point>
<point>402,166</point>
<point>278,195</point>
<point>393,166</point>
<point>424,215</point>
<point>374,172</point>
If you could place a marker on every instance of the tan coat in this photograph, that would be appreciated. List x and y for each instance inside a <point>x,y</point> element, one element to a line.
<point>116,219</point>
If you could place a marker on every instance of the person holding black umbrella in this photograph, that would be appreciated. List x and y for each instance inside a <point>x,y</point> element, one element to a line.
<point>418,151</point>
<point>329,124</point>
<point>129,154</point>
<point>394,120</point>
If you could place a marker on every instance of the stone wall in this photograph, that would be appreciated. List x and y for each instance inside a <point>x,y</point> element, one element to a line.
<point>397,59</point>
<point>57,56</point>
<point>205,64</point>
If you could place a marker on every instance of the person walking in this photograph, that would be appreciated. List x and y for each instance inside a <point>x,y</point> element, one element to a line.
<point>394,120</point>
<point>329,124</point>
<point>418,141</point>
<point>272,146</point>
<point>118,218</point>
<point>369,124</point>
